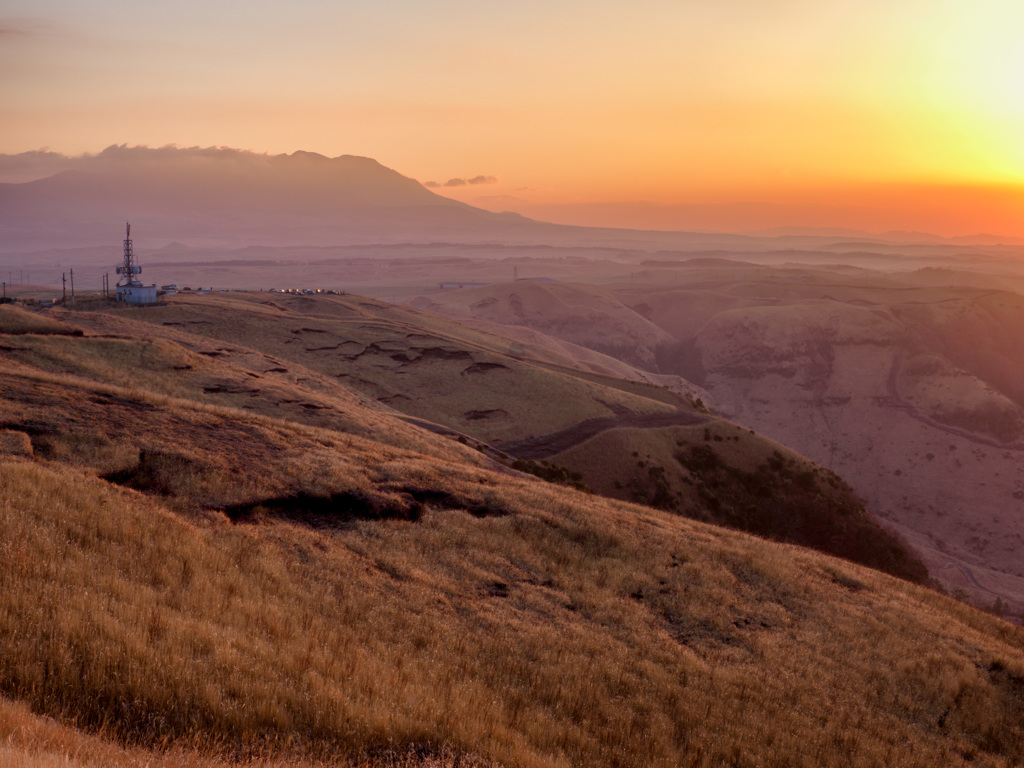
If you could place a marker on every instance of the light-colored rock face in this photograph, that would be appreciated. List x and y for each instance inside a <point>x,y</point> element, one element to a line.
<point>947,489</point>
<point>907,386</point>
<point>911,398</point>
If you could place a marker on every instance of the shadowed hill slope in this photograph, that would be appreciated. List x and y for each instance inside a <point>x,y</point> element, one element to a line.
<point>722,473</point>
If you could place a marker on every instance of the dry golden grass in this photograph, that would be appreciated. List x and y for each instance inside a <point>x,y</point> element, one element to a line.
<point>402,604</point>
<point>602,456</point>
<point>420,364</point>
<point>14,443</point>
<point>201,456</point>
<point>94,433</point>
<point>16,320</point>
<point>560,630</point>
<point>167,368</point>
<point>426,359</point>
<point>28,740</point>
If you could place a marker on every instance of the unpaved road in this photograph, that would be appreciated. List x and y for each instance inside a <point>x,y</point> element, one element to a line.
<point>970,577</point>
<point>896,401</point>
<point>546,446</point>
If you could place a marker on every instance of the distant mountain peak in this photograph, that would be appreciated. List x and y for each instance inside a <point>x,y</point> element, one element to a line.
<point>228,197</point>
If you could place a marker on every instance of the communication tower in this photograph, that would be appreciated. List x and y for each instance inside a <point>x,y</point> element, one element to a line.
<point>129,287</point>
<point>129,269</point>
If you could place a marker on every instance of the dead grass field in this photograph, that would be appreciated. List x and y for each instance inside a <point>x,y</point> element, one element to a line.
<point>28,740</point>
<point>492,388</point>
<point>565,630</point>
<point>186,583</point>
<point>15,320</point>
<point>171,368</point>
<point>262,376</point>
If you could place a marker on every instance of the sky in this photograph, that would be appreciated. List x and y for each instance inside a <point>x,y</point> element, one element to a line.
<point>879,114</point>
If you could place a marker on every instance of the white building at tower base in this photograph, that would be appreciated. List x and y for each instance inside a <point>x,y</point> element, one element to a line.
<point>137,293</point>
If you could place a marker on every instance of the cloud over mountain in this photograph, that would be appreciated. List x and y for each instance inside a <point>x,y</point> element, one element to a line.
<point>457,182</point>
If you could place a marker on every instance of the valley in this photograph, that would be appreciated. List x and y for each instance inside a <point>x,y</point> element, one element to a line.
<point>876,375</point>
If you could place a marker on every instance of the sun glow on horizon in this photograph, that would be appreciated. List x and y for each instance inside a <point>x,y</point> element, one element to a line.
<point>776,101</point>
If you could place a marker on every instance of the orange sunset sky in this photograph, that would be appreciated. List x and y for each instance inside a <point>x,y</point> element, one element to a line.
<point>871,114</point>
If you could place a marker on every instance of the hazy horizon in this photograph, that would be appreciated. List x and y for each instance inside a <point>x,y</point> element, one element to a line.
<point>879,117</point>
<point>885,215</point>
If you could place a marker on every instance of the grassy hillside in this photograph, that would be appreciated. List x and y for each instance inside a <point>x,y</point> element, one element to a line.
<point>583,314</point>
<point>38,741</point>
<point>721,473</point>
<point>906,384</point>
<point>487,386</point>
<point>240,350</point>
<point>234,587</point>
<point>177,369</point>
<point>505,618</point>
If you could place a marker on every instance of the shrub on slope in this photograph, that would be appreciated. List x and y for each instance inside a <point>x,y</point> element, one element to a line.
<point>720,473</point>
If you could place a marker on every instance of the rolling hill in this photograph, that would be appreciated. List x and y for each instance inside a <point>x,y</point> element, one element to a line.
<point>903,383</point>
<point>582,314</point>
<point>199,575</point>
<point>498,394</point>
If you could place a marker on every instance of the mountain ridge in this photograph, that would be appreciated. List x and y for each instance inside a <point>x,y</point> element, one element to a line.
<point>228,198</point>
<point>231,197</point>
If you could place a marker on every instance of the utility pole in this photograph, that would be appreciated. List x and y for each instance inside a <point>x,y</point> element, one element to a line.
<point>72,287</point>
<point>64,285</point>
